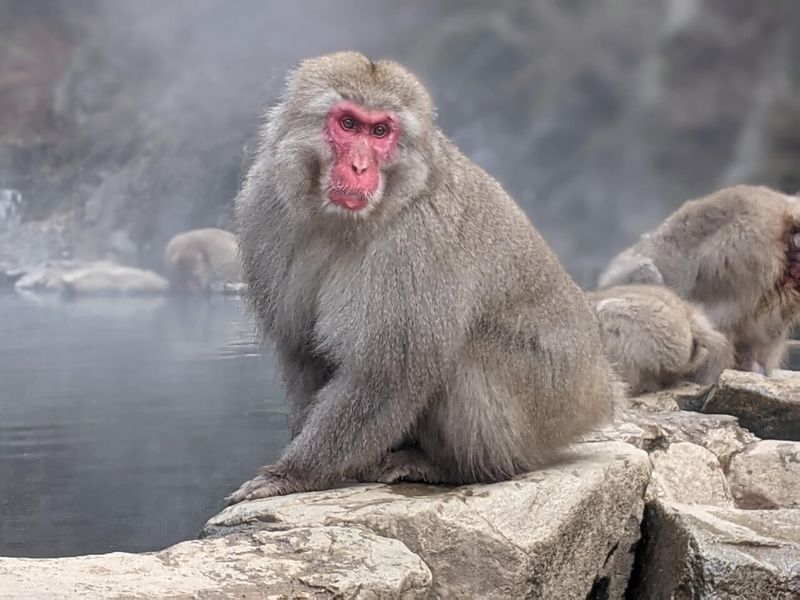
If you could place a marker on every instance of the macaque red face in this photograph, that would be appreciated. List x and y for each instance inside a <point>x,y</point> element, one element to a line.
<point>362,141</point>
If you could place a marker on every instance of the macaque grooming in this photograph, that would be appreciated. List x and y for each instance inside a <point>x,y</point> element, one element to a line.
<point>425,330</point>
<point>654,339</point>
<point>202,260</point>
<point>736,253</point>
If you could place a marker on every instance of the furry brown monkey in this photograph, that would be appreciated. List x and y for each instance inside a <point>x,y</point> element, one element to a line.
<point>654,339</point>
<point>200,260</point>
<point>425,330</point>
<point>736,253</point>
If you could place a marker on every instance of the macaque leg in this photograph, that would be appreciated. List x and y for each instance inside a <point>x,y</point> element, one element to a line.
<point>351,426</point>
<point>406,464</point>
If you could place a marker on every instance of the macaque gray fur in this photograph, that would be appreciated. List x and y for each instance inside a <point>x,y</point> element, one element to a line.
<point>654,339</point>
<point>431,336</point>
<point>736,253</point>
<point>202,260</point>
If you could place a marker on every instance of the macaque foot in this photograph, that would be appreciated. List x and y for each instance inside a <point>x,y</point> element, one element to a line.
<point>407,465</point>
<point>266,484</point>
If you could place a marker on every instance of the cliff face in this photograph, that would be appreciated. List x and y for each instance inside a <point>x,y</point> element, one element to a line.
<point>132,122</point>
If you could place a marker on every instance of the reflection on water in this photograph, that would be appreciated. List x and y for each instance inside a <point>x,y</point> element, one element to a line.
<point>123,423</point>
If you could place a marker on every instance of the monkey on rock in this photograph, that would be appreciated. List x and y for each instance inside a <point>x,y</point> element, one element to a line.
<point>736,254</point>
<point>424,329</point>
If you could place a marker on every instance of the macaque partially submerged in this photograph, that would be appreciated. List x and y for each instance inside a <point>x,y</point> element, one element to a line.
<point>736,253</point>
<point>202,260</point>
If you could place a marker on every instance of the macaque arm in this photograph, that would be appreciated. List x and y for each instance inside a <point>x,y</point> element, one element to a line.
<point>352,425</point>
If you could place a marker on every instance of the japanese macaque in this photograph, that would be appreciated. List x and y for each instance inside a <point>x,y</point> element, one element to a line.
<point>425,330</point>
<point>654,339</point>
<point>202,260</point>
<point>736,253</point>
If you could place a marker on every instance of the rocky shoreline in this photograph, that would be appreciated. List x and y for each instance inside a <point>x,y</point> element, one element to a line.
<point>666,503</point>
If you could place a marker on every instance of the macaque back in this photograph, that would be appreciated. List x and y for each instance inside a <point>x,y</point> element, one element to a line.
<point>655,339</point>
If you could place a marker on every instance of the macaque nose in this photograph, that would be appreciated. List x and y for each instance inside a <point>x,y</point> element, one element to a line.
<point>360,164</point>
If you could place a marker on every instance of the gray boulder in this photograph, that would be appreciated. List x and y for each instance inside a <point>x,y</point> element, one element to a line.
<point>302,562</point>
<point>694,551</point>
<point>769,407</point>
<point>560,532</point>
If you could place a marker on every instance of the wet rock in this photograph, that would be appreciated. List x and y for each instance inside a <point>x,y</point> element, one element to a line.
<point>559,532</point>
<point>693,551</point>
<point>302,562</point>
<point>689,474</point>
<point>107,279</point>
<point>767,475</point>
<point>74,278</point>
<point>45,277</point>
<point>769,407</point>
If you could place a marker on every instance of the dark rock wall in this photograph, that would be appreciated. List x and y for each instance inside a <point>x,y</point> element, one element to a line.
<point>599,116</point>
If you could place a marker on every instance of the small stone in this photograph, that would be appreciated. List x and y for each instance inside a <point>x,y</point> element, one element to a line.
<point>690,474</point>
<point>721,434</point>
<point>767,475</point>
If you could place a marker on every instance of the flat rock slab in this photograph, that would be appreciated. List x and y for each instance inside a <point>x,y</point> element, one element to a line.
<point>684,396</point>
<point>767,475</point>
<point>302,562</point>
<point>769,407</point>
<point>560,532</point>
<point>694,551</point>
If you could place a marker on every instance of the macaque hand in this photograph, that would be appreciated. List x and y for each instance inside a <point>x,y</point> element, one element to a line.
<point>268,483</point>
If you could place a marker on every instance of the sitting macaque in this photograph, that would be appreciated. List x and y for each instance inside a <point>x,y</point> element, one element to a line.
<point>736,253</point>
<point>202,260</point>
<point>654,339</point>
<point>425,330</point>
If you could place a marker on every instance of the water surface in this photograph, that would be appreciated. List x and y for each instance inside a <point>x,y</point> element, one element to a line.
<point>123,423</point>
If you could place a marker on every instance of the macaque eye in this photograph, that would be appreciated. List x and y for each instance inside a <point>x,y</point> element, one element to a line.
<point>380,130</point>
<point>348,123</point>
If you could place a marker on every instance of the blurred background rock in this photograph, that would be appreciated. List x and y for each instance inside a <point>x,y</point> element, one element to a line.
<point>123,123</point>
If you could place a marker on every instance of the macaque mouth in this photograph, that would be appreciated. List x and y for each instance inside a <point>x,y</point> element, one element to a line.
<point>792,276</point>
<point>349,199</point>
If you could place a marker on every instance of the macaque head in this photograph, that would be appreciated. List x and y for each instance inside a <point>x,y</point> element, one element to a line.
<point>189,273</point>
<point>351,137</point>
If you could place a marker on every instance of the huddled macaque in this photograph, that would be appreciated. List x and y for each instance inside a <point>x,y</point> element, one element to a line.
<point>655,339</point>
<point>425,331</point>
<point>736,253</point>
<point>202,260</point>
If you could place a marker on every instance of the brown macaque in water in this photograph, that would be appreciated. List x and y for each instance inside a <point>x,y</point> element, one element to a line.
<point>425,330</point>
<point>655,339</point>
<point>736,253</point>
<point>202,260</point>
